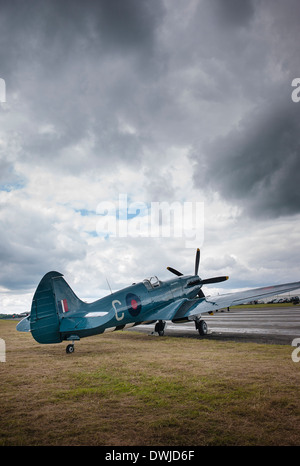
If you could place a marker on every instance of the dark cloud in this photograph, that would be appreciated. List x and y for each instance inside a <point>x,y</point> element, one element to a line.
<point>255,164</point>
<point>127,25</point>
<point>78,66</point>
<point>253,161</point>
<point>232,13</point>
<point>34,29</point>
<point>175,74</point>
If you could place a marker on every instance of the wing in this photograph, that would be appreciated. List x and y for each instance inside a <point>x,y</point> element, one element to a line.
<point>166,312</point>
<point>194,307</point>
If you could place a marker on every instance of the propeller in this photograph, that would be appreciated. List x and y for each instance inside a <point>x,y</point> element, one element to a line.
<point>205,281</point>
<point>197,260</point>
<point>214,280</point>
<point>174,271</point>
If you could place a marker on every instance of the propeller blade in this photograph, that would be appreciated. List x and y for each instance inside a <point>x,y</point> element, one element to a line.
<point>197,260</point>
<point>214,280</point>
<point>174,271</point>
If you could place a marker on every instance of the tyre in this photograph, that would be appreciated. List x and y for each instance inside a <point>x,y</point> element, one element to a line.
<point>202,328</point>
<point>70,349</point>
<point>160,327</point>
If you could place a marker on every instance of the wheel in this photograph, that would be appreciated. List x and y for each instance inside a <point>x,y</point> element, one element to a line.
<point>160,327</point>
<point>202,328</point>
<point>70,349</point>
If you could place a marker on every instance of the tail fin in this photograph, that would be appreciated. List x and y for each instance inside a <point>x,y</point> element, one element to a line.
<point>53,297</point>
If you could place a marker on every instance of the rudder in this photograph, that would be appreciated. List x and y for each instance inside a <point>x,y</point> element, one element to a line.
<point>52,298</point>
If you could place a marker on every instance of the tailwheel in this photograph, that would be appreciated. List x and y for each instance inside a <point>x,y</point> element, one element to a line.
<point>70,348</point>
<point>201,326</point>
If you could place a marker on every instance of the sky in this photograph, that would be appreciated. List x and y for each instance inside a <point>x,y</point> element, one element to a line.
<point>113,106</point>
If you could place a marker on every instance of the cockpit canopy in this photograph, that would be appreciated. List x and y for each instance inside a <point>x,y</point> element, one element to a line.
<point>151,282</point>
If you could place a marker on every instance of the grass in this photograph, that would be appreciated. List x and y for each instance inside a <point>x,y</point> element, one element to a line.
<point>128,388</point>
<point>263,305</point>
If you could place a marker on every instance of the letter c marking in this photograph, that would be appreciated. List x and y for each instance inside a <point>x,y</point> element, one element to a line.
<point>118,317</point>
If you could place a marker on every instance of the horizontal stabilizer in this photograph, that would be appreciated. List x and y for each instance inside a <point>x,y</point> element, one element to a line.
<point>24,325</point>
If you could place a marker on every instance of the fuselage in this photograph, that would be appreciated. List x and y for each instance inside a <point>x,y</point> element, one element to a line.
<point>128,307</point>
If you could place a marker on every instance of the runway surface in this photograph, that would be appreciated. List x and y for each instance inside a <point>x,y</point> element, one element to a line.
<point>270,324</point>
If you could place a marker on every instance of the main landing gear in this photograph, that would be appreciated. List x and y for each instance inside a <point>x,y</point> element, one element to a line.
<point>160,327</point>
<point>201,326</point>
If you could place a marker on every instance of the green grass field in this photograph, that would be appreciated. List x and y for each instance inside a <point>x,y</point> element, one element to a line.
<point>128,388</point>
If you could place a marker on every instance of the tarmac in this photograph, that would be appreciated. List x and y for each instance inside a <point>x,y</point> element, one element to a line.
<point>271,324</point>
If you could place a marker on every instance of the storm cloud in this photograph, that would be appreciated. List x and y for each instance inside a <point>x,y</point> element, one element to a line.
<point>255,165</point>
<point>254,161</point>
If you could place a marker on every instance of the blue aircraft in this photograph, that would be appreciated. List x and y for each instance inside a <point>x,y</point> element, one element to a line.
<point>57,314</point>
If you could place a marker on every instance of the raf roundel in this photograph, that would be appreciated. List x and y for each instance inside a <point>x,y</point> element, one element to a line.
<point>133,304</point>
